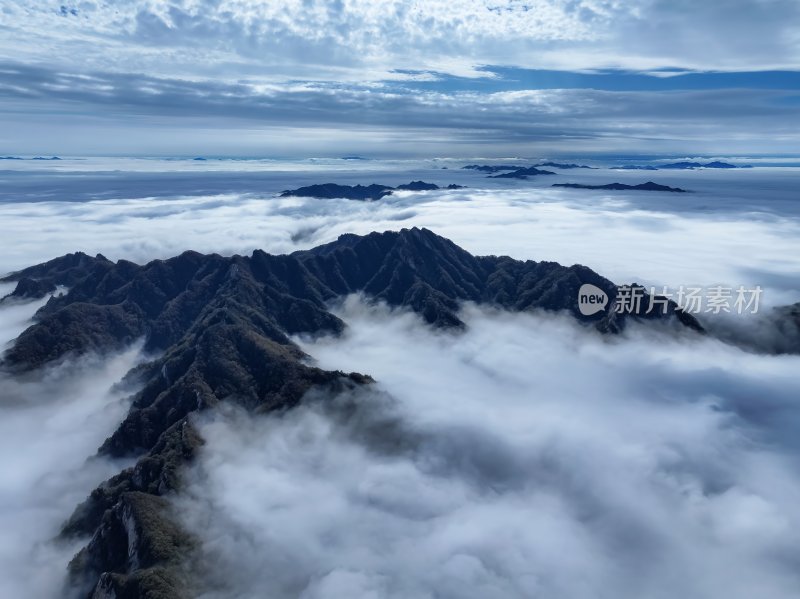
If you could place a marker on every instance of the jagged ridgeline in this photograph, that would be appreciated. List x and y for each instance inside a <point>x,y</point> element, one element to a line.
<point>221,327</point>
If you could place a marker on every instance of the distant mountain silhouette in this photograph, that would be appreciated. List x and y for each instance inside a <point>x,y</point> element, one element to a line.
<point>692,165</point>
<point>562,165</point>
<point>649,186</point>
<point>633,167</point>
<point>359,192</point>
<point>685,165</point>
<point>34,158</point>
<point>422,186</point>
<point>334,190</point>
<point>522,173</point>
<point>490,168</point>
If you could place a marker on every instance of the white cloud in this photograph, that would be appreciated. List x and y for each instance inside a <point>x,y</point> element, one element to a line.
<point>50,111</point>
<point>168,76</point>
<point>727,232</point>
<point>361,39</point>
<point>51,423</point>
<point>501,473</point>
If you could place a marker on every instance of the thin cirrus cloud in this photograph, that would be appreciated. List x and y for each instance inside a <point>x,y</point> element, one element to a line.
<point>40,103</point>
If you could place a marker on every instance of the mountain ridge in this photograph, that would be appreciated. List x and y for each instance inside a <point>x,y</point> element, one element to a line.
<point>221,330</point>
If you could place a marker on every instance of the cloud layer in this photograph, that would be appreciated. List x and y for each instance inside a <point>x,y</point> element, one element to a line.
<point>737,228</point>
<point>260,78</point>
<point>383,120</point>
<point>663,470</point>
<point>345,39</point>
<point>525,457</point>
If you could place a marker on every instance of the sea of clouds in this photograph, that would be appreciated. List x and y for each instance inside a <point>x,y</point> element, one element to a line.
<point>525,457</point>
<point>738,227</point>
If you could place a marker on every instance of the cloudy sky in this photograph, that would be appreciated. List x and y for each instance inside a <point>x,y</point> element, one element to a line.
<point>666,467</point>
<point>396,78</point>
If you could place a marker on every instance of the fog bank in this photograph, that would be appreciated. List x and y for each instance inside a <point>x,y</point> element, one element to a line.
<point>527,457</point>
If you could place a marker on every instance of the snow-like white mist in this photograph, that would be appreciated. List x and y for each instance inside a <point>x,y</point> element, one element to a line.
<point>51,423</point>
<point>526,457</point>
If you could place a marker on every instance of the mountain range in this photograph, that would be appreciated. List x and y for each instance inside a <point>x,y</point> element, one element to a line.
<point>221,328</point>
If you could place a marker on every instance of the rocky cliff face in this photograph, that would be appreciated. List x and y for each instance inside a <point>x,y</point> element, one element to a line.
<point>221,327</point>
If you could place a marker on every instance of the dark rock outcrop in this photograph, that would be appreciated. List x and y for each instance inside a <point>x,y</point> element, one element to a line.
<point>66,270</point>
<point>30,289</point>
<point>134,553</point>
<point>649,186</point>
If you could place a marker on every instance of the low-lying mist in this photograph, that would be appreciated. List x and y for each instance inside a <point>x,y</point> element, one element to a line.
<point>51,423</point>
<point>526,457</point>
<point>15,315</point>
